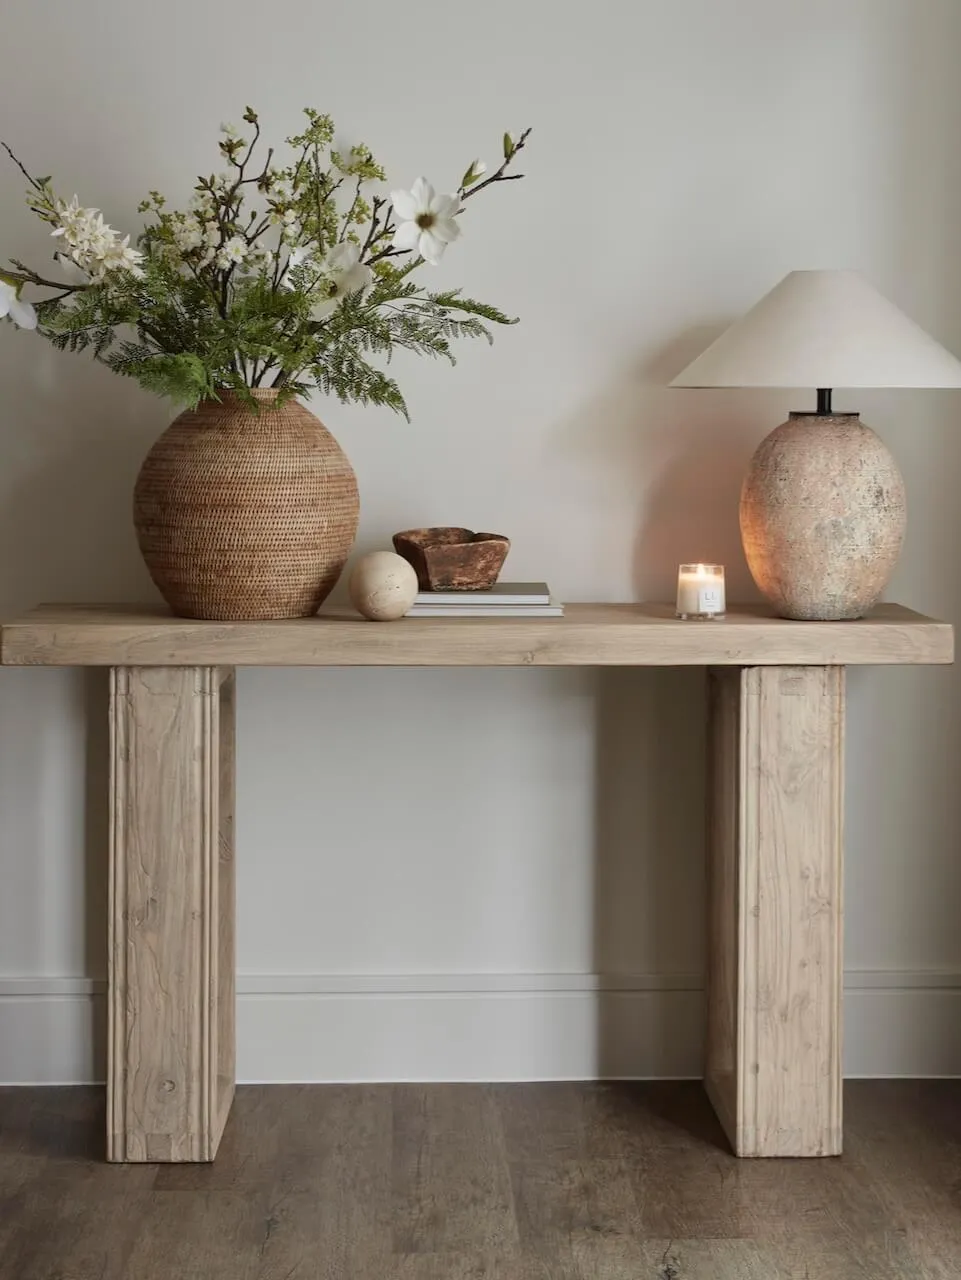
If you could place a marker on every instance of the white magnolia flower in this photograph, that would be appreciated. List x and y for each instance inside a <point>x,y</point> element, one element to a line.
<point>233,251</point>
<point>343,273</point>
<point>11,304</point>
<point>426,220</point>
<point>229,129</point>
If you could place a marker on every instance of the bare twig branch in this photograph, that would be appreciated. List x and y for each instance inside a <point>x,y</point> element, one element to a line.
<point>353,205</point>
<point>22,167</point>
<point>500,175</point>
<point>389,252</point>
<point>26,276</point>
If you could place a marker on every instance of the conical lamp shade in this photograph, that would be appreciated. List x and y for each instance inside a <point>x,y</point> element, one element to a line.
<point>823,329</point>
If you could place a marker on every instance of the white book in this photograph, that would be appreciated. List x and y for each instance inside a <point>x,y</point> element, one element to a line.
<point>468,610</point>
<point>501,593</point>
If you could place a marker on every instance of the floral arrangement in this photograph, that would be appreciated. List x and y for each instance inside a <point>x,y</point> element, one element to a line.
<point>290,276</point>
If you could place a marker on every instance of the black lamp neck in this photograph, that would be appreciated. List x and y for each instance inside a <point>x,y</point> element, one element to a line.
<point>824,401</point>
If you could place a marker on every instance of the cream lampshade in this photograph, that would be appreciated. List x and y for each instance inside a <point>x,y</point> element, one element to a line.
<point>822,507</point>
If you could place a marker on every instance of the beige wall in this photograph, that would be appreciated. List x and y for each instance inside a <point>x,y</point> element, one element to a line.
<point>686,154</point>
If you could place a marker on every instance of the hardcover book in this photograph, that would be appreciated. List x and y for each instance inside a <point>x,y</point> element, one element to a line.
<point>501,593</point>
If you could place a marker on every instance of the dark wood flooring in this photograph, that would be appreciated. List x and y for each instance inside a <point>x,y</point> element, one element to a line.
<point>470,1182</point>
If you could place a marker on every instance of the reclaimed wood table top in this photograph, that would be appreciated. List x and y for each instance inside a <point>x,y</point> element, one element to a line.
<point>70,635</point>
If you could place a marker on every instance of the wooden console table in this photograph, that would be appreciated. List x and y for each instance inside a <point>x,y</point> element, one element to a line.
<point>776,706</point>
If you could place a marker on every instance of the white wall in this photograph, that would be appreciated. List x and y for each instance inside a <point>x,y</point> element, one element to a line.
<point>686,154</point>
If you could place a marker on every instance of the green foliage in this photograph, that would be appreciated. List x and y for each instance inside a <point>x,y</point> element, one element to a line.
<point>277,274</point>
<point>358,163</point>
<point>184,379</point>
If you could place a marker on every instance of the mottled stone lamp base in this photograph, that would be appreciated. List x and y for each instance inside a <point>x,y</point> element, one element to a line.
<point>822,517</point>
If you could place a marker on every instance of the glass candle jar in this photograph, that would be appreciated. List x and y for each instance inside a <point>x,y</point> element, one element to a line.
<point>700,591</point>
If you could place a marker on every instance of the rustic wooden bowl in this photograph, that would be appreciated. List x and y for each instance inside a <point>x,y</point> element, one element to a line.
<point>451,559</point>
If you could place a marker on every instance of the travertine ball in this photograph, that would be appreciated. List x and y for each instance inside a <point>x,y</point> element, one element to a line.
<point>382,586</point>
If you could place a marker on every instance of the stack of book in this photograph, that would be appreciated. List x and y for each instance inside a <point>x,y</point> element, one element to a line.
<point>503,600</point>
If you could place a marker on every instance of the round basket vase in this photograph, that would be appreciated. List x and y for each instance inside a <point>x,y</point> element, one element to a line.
<point>246,512</point>
<point>822,517</point>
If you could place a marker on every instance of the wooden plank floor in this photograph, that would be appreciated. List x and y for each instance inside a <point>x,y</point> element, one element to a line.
<point>470,1182</point>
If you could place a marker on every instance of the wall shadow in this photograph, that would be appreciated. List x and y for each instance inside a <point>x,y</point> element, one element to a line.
<point>679,455</point>
<point>96,842</point>
<point>76,442</point>
<point>689,451</point>
<point>649,909</point>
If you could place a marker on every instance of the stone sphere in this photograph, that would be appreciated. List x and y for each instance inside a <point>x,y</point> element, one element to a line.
<point>382,586</point>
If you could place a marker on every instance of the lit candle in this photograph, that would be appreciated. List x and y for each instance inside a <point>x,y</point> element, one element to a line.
<point>700,591</point>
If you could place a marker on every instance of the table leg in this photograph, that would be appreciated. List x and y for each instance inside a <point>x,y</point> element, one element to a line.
<point>170,1055</point>
<point>773,1069</point>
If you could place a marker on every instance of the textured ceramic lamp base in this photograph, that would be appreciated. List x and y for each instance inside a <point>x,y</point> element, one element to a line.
<point>822,517</point>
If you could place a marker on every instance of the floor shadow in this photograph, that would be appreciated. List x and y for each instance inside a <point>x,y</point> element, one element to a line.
<point>663,1106</point>
<point>60,1122</point>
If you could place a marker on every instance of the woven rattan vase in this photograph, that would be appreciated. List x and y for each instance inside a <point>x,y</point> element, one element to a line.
<point>243,515</point>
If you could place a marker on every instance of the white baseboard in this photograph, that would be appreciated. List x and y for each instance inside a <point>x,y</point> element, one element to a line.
<point>327,1027</point>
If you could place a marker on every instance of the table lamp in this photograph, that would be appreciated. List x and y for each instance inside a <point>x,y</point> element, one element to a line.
<point>822,506</point>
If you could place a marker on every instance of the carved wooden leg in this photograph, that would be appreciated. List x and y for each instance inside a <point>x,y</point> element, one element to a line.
<point>773,1068</point>
<point>170,1056</point>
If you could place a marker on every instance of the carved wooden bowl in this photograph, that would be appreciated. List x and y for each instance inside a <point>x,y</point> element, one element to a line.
<point>450,559</point>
